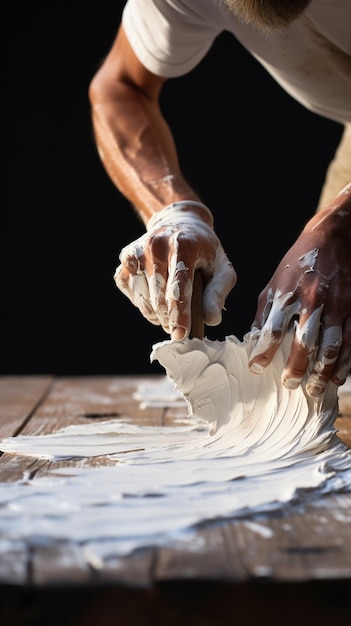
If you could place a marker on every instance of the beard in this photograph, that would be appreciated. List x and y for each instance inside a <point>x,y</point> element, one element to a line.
<point>267,16</point>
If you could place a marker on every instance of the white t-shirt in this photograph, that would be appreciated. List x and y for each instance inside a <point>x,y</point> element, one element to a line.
<point>311,59</point>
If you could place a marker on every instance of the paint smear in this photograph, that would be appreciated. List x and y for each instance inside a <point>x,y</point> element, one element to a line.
<point>248,446</point>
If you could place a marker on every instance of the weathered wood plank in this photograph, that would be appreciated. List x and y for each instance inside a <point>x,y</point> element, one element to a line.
<point>13,467</point>
<point>135,570</point>
<point>309,544</point>
<point>19,395</point>
<point>343,426</point>
<point>303,544</point>
<point>204,557</point>
<point>300,545</point>
<point>343,422</point>
<point>71,564</point>
<point>59,563</point>
<point>71,400</point>
<point>14,560</point>
<point>78,400</point>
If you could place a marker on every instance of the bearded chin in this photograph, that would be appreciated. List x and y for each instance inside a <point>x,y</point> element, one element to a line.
<point>267,16</point>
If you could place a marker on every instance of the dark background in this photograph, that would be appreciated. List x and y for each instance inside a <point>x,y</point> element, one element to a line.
<point>257,158</point>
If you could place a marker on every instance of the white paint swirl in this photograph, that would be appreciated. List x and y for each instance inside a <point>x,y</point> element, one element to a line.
<point>249,445</point>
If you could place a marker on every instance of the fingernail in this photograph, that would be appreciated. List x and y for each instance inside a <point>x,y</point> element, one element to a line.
<point>256,368</point>
<point>314,391</point>
<point>314,386</point>
<point>291,383</point>
<point>178,334</point>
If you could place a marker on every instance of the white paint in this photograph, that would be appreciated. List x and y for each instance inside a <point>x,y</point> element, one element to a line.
<point>263,571</point>
<point>157,284</point>
<point>248,446</point>
<point>168,178</point>
<point>308,332</point>
<point>148,289</point>
<point>216,289</point>
<point>309,259</point>
<point>331,342</point>
<point>327,354</point>
<point>177,213</point>
<point>260,529</point>
<point>278,318</point>
<point>158,394</point>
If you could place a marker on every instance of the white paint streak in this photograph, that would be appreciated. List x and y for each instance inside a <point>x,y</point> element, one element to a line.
<point>263,571</point>
<point>248,446</point>
<point>309,259</point>
<point>260,529</point>
<point>278,319</point>
<point>307,333</point>
<point>178,213</point>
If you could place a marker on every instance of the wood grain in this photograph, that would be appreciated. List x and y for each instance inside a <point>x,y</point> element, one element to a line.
<point>303,543</point>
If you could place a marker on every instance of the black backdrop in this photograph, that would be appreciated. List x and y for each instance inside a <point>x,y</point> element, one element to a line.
<point>256,156</point>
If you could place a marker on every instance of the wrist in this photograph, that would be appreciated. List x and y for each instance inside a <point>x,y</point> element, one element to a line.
<point>185,207</point>
<point>336,217</point>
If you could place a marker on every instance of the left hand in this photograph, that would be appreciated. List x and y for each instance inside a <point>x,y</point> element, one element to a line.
<point>311,287</point>
<point>157,270</point>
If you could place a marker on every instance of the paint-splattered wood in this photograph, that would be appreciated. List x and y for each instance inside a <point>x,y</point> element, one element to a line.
<point>302,543</point>
<point>343,422</point>
<point>28,410</point>
<point>19,397</point>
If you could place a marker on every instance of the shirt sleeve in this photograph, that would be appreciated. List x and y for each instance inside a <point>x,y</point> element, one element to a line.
<point>170,37</point>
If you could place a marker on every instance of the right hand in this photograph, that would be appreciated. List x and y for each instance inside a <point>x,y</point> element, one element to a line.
<point>157,270</point>
<point>310,291</point>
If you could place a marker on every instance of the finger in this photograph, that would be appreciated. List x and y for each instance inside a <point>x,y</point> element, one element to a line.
<point>121,279</point>
<point>136,288</point>
<point>140,288</point>
<point>131,258</point>
<point>303,349</point>
<point>327,355</point>
<point>273,331</point>
<point>297,364</point>
<point>344,370</point>
<point>217,290</point>
<point>178,296</point>
<point>264,306</point>
<point>157,288</point>
<point>343,363</point>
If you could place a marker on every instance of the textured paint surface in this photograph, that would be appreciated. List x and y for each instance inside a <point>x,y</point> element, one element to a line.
<point>248,446</point>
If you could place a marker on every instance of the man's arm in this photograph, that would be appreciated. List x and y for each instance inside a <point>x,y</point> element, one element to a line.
<point>137,149</point>
<point>134,141</point>
<point>311,289</point>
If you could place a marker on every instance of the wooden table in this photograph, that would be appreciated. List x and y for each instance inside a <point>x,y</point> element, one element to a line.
<point>239,577</point>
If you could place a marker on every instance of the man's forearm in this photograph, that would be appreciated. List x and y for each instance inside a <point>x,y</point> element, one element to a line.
<point>138,150</point>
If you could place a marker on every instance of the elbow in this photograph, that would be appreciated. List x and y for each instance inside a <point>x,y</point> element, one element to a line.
<point>104,88</point>
<point>101,86</point>
<point>95,89</point>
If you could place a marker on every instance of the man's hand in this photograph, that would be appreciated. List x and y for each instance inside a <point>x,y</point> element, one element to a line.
<point>157,270</point>
<point>311,288</point>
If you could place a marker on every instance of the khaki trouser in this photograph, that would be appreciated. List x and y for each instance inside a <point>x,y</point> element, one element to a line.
<point>339,170</point>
